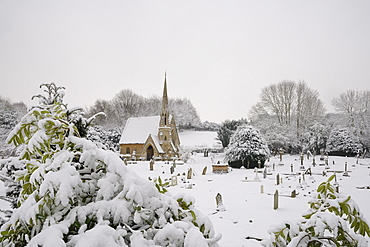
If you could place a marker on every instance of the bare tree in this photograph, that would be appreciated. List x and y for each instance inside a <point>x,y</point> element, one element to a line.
<point>354,105</point>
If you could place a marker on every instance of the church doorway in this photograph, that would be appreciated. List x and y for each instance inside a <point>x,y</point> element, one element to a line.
<point>149,153</point>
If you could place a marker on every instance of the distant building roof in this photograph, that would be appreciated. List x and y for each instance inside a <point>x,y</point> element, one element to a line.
<point>138,129</point>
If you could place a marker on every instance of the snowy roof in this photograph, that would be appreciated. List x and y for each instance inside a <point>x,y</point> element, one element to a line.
<point>138,129</point>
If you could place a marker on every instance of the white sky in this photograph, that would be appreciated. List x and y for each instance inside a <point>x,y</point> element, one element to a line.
<point>219,54</point>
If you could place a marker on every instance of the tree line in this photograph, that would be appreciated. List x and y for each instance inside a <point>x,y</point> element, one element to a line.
<point>127,103</point>
<point>291,116</point>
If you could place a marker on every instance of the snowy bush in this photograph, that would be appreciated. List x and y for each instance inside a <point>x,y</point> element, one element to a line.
<point>247,144</point>
<point>316,137</point>
<point>333,220</point>
<point>74,193</point>
<point>108,138</point>
<point>341,142</point>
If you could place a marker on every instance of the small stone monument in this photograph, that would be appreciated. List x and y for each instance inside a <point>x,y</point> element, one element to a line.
<point>151,165</point>
<point>281,154</point>
<point>293,194</point>
<point>345,173</point>
<point>302,168</point>
<point>204,170</point>
<point>261,189</point>
<point>190,173</point>
<point>173,180</point>
<point>219,205</point>
<point>172,169</point>
<point>276,200</point>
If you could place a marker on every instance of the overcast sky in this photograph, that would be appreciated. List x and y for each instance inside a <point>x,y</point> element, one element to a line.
<point>219,54</point>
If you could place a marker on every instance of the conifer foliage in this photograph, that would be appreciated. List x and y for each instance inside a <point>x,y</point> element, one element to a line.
<point>247,144</point>
<point>74,193</point>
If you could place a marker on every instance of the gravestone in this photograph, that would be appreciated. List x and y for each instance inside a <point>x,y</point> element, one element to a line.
<point>278,179</point>
<point>172,169</point>
<point>190,173</point>
<point>302,168</point>
<point>219,205</point>
<point>276,200</point>
<point>173,180</point>
<point>345,173</point>
<point>151,165</point>
<point>281,155</point>
<point>261,189</point>
<point>204,170</point>
<point>294,194</point>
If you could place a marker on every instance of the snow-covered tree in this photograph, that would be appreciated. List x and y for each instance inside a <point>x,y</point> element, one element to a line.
<point>227,129</point>
<point>343,142</point>
<point>315,138</point>
<point>247,145</point>
<point>74,193</point>
<point>332,220</point>
<point>355,114</point>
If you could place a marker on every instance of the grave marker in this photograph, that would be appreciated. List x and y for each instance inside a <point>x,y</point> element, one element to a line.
<point>294,194</point>
<point>261,189</point>
<point>190,173</point>
<point>276,200</point>
<point>204,170</point>
<point>345,173</point>
<point>219,204</point>
<point>172,169</point>
<point>277,179</point>
<point>151,165</point>
<point>173,180</point>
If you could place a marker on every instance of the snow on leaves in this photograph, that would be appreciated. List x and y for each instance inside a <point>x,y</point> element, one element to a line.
<point>75,193</point>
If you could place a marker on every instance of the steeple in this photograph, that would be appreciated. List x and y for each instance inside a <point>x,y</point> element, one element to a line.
<point>164,97</point>
<point>164,111</point>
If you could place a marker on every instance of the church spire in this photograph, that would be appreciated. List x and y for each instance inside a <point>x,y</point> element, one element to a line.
<point>164,97</point>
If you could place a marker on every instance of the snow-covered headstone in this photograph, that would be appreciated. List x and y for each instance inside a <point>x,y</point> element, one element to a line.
<point>219,205</point>
<point>173,180</point>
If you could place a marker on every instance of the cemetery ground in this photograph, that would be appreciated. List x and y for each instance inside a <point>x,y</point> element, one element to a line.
<point>248,197</point>
<point>249,210</point>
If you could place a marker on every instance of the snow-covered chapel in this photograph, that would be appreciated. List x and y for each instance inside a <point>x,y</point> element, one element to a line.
<point>151,137</point>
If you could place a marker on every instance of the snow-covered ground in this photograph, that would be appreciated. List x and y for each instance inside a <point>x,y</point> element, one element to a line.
<point>199,139</point>
<point>248,211</point>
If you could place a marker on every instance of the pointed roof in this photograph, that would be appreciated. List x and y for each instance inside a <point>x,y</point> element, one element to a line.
<point>165,97</point>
